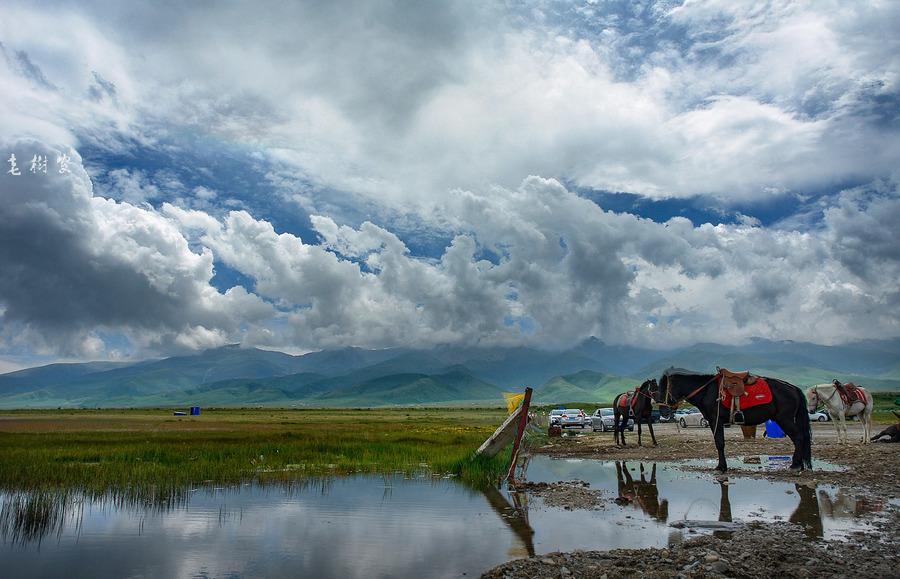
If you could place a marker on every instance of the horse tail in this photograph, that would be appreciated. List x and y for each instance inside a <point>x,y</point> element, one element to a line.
<point>801,418</point>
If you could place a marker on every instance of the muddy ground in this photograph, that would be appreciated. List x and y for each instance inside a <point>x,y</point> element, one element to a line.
<point>776,549</point>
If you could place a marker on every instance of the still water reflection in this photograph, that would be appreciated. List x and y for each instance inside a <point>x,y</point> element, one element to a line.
<point>371,526</point>
<point>648,497</point>
<point>343,527</point>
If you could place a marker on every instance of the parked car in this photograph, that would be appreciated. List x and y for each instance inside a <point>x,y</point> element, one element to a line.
<point>555,415</point>
<point>603,419</point>
<point>573,417</point>
<point>819,417</point>
<point>690,417</point>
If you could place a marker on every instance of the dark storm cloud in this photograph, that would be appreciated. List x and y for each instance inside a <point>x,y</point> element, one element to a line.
<point>72,263</point>
<point>866,233</point>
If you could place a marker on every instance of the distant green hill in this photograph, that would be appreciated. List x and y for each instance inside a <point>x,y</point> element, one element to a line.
<point>457,384</point>
<point>589,372</point>
<point>584,386</point>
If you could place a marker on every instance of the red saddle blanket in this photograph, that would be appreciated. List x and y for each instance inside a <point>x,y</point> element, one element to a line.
<point>757,393</point>
<point>852,393</point>
<point>628,399</point>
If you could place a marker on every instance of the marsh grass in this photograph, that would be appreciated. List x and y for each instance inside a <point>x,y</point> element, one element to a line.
<point>152,455</point>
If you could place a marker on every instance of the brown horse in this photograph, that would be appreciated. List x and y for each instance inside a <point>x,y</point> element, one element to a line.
<point>892,432</point>
<point>643,493</point>
<point>639,402</point>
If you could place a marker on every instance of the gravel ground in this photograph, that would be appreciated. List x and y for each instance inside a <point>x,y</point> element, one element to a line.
<point>776,549</point>
<point>759,550</point>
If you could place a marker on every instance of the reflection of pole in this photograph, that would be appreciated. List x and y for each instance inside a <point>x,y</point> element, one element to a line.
<point>523,421</point>
<point>514,516</point>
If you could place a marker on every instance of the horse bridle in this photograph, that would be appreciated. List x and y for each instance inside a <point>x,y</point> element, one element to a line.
<point>683,398</point>
<point>650,395</point>
<point>818,396</point>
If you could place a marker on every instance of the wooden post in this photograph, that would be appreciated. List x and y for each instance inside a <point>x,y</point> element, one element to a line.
<point>523,421</point>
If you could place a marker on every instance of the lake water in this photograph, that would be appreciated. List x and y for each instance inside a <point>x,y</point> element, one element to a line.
<point>373,526</point>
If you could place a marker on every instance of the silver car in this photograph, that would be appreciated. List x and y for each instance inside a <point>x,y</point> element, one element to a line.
<point>555,416</point>
<point>604,419</point>
<point>573,417</point>
<point>690,417</point>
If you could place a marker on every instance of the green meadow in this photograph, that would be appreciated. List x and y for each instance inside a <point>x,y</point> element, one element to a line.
<point>151,453</point>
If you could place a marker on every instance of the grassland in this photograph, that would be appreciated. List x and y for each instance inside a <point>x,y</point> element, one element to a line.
<point>151,453</point>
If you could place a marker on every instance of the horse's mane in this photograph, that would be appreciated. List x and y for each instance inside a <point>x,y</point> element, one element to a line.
<point>673,371</point>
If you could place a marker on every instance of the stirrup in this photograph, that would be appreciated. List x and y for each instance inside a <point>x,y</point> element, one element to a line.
<point>738,417</point>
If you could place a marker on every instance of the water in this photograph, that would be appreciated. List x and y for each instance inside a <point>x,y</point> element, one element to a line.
<point>667,492</point>
<point>373,526</point>
<point>762,462</point>
<point>345,527</point>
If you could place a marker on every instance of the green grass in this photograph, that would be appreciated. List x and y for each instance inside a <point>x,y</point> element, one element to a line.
<point>883,403</point>
<point>150,453</point>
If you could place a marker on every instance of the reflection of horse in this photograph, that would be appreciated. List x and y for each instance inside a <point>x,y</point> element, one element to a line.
<point>844,506</point>
<point>724,509</point>
<point>807,513</point>
<point>828,395</point>
<point>639,401</point>
<point>643,492</point>
<point>788,410</point>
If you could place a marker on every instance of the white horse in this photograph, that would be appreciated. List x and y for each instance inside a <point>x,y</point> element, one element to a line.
<point>828,395</point>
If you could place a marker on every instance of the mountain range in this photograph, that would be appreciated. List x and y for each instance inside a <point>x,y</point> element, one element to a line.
<point>592,371</point>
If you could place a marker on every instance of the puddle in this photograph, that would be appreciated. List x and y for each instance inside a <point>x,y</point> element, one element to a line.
<point>393,526</point>
<point>761,462</point>
<point>656,495</point>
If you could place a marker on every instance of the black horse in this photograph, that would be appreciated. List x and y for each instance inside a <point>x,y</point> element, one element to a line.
<point>787,409</point>
<point>641,401</point>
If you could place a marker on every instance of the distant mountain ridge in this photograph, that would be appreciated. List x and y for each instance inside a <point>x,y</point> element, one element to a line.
<point>592,371</point>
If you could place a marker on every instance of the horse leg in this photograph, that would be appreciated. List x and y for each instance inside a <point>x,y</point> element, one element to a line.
<point>638,420</point>
<point>797,437</point>
<point>615,425</point>
<point>616,433</point>
<point>650,426</point>
<point>836,418</point>
<point>867,424</point>
<point>719,438</point>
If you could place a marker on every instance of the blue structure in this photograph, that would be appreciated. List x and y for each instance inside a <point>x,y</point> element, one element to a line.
<point>773,430</point>
<point>195,411</point>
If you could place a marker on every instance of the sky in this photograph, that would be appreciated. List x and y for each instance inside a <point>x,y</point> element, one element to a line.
<point>312,175</point>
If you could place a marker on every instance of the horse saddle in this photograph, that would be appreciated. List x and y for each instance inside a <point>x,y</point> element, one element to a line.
<point>735,382</point>
<point>628,400</point>
<point>850,393</point>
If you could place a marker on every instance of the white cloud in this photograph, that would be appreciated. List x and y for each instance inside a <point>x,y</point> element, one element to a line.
<point>444,114</point>
<point>413,102</point>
